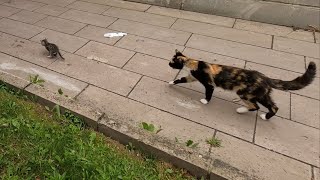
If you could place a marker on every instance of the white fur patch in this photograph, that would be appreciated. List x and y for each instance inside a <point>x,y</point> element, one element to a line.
<point>263,116</point>
<point>203,101</point>
<point>242,110</point>
<point>171,82</point>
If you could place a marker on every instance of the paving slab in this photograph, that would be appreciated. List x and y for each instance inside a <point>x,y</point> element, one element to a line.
<point>6,11</point>
<point>89,7</point>
<point>99,74</point>
<point>296,47</point>
<point>97,34</point>
<point>218,114</point>
<point>88,18</point>
<point>194,16</point>
<point>151,66</point>
<point>61,25</point>
<point>122,4</point>
<point>24,49</point>
<point>262,27</point>
<point>247,52</point>
<point>105,53</point>
<point>309,115</point>
<point>61,3</point>
<point>19,29</point>
<point>247,37</point>
<point>148,46</point>
<point>51,10</point>
<point>240,157</point>
<point>14,80</point>
<point>27,17</point>
<point>278,135</point>
<point>150,31</point>
<point>213,58</point>
<point>63,41</point>
<point>24,4</point>
<point>143,17</point>
<point>317,61</point>
<point>301,35</point>
<point>53,81</point>
<point>121,110</point>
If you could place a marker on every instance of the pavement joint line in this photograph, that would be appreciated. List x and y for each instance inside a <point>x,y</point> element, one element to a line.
<point>185,44</point>
<point>74,52</point>
<point>148,8</point>
<point>290,112</point>
<point>37,34</point>
<point>74,34</point>
<point>117,19</point>
<point>122,67</point>
<point>272,41</point>
<point>173,23</point>
<point>255,128</point>
<point>205,126</point>
<point>305,95</point>
<point>134,87</point>
<point>234,23</point>
<point>77,95</point>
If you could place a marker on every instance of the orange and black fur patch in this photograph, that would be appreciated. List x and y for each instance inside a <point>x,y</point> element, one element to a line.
<point>251,86</point>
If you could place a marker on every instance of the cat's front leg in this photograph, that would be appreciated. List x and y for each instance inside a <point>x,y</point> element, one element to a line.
<point>209,92</point>
<point>186,79</point>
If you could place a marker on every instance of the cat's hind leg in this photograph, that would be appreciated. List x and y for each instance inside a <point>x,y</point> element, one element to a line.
<point>267,102</point>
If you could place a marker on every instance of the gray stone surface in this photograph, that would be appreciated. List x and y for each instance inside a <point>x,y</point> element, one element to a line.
<point>105,53</point>
<point>88,18</point>
<point>27,17</point>
<point>61,25</point>
<point>63,41</point>
<point>24,4</point>
<point>152,19</point>
<point>97,34</point>
<point>247,52</point>
<point>52,10</point>
<point>231,34</point>
<point>6,11</point>
<point>97,73</point>
<point>277,135</point>
<point>150,31</point>
<point>89,7</point>
<point>19,29</point>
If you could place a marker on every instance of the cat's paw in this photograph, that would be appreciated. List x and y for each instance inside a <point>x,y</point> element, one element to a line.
<point>171,82</point>
<point>242,110</point>
<point>203,101</point>
<point>263,116</point>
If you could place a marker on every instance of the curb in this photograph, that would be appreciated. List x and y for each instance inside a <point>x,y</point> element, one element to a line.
<point>278,13</point>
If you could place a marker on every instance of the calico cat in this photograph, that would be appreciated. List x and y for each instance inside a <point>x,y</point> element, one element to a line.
<point>52,48</point>
<point>251,86</point>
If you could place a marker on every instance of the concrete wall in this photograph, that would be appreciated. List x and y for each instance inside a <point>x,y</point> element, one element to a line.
<point>297,13</point>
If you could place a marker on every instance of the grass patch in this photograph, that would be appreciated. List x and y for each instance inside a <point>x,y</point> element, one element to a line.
<point>214,142</point>
<point>37,144</point>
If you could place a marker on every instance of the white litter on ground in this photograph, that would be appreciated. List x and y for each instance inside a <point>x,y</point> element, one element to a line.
<point>110,35</point>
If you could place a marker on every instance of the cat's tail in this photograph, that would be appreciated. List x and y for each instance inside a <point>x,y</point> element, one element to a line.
<point>60,55</point>
<point>299,82</point>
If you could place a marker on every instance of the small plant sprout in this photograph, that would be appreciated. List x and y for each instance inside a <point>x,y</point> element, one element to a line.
<point>150,127</point>
<point>214,142</point>
<point>191,144</point>
<point>36,80</point>
<point>60,91</point>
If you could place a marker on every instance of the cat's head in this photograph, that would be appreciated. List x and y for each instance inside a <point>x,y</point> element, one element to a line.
<point>178,60</point>
<point>44,41</point>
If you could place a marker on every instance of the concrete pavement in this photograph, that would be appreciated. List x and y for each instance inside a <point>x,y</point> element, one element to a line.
<point>117,83</point>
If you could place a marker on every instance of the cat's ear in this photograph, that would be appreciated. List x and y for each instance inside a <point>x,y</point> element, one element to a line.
<point>178,53</point>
